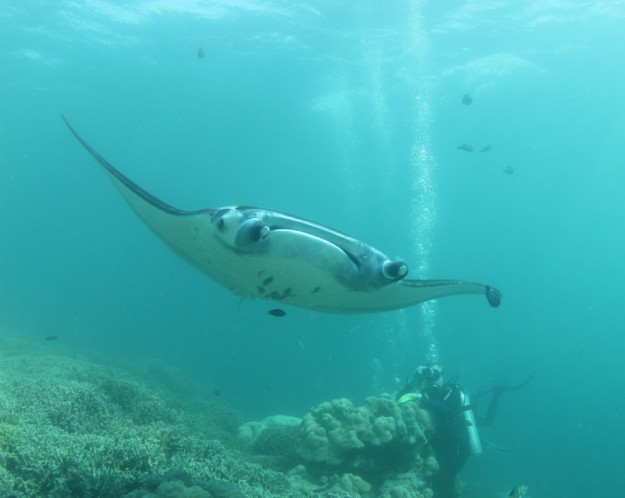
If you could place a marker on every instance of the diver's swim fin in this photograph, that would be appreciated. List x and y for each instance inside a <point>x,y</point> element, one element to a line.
<point>517,386</point>
<point>494,446</point>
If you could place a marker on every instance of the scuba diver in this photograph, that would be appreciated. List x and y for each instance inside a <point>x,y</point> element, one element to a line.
<point>456,437</point>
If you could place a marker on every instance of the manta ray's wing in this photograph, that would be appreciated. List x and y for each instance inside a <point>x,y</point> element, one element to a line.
<point>188,233</point>
<point>408,292</point>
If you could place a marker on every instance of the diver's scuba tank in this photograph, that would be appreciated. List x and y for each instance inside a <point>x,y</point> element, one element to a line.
<point>473,437</point>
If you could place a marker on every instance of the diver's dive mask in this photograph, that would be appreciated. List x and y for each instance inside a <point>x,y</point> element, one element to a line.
<point>429,374</point>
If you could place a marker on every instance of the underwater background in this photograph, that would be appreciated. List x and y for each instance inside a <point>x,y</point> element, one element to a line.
<point>350,114</point>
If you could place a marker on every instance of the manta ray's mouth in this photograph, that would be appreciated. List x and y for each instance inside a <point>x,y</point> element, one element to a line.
<point>394,270</point>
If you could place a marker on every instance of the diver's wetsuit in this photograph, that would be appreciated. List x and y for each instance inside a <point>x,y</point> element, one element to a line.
<point>450,443</point>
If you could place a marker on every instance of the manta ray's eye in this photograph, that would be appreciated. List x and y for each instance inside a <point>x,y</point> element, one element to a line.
<point>221,224</point>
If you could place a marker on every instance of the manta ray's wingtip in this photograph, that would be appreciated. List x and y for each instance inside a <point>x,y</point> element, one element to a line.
<point>68,124</point>
<point>493,296</point>
<point>71,128</point>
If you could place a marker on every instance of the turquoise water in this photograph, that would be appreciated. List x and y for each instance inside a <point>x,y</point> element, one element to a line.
<point>349,114</point>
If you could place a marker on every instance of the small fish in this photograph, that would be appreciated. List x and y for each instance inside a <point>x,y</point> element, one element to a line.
<point>486,148</point>
<point>52,338</point>
<point>200,53</point>
<point>467,99</point>
<point>465,147</point>
<point>518,492</point>
<point>508,170</point>
<point>277,312</point>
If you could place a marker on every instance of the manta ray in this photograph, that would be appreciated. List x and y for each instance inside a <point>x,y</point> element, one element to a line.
<point>258,253</point>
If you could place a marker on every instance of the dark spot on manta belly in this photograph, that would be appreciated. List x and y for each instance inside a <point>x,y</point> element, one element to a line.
<point>277,312</point>
<point>268,280</point>
<point>278,296</point>
<point>315,290</point>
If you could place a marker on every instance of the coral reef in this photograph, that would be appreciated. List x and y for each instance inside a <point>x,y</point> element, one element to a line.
<point>72,427</point>
<point>76,428</point>
<point>273,436</point>
<point>172,489</point>
<point>332,485</point>
<point>363,450</point>
<point>339,434</point>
